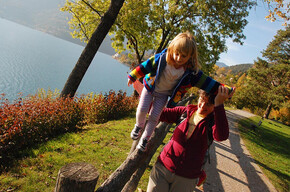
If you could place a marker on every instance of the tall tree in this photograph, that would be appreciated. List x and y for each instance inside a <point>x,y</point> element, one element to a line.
<point>268,82</point>
<point>144,26</point>
<point>278,50</point>
<point>278,54</point>
<point>88,54</point>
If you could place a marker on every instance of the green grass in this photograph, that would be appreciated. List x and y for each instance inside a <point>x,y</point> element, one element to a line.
<point>268,145</point>
<point>105,146</point>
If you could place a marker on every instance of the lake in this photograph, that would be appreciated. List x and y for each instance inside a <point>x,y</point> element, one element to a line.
<point>30,60</point>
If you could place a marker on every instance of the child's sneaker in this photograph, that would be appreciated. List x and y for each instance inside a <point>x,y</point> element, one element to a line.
<point>136,132</point>
<point>201,178</point>
<point>142,145</point>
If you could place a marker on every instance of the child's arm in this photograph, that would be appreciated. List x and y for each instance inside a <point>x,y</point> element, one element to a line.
<point>130,82</point>
<point>206,83</point>
<point>145,67</point>
<point>141,70</point>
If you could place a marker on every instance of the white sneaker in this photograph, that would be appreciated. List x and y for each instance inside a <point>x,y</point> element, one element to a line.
<point>142,145</point>
<point>136,132</point>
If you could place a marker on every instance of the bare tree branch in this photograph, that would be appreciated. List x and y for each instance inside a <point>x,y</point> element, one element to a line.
<point>89,5</point>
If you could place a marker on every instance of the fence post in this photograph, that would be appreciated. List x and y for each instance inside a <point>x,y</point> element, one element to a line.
<point>77,177</point>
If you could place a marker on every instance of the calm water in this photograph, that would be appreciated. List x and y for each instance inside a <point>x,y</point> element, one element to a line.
<point>30,60</point>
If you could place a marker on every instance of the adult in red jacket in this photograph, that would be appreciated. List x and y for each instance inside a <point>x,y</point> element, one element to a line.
<point>180,163</point>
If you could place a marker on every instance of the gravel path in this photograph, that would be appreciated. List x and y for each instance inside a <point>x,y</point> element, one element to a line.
<point>232,168</point>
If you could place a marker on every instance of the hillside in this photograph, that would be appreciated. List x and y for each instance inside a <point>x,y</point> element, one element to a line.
<point>221,64</point>
<point>241,68</point>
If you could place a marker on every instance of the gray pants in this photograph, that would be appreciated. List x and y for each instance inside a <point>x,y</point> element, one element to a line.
<point>162,180</point>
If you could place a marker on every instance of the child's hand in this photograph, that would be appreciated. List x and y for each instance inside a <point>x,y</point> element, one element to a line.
<point>130,82</point>
<point>223,94</point>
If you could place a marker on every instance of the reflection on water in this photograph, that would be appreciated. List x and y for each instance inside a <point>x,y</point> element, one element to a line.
<point>30,60</point>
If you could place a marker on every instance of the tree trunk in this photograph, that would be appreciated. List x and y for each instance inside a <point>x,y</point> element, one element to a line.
<point>157,138</point>
<point>77,177</point>
<point>162,44</point>
<point>268,110</point>
<point>123,173</point>
<point>91,49</point>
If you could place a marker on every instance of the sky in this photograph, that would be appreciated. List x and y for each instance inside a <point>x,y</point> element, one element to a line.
<point>259,33</point>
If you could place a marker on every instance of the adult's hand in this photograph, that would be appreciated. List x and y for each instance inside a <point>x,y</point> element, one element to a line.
<point>223,94</point>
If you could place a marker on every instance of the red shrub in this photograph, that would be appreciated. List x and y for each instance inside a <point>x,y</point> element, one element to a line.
<point>35,119</point>
<point>101,108</point>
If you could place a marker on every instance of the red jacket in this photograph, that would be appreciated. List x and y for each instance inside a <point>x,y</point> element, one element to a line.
<point>185,157</point>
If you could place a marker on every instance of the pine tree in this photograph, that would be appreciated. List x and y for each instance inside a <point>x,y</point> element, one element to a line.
<point>268,82</point>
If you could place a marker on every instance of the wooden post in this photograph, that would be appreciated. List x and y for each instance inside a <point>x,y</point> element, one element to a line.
<point>77,177</point>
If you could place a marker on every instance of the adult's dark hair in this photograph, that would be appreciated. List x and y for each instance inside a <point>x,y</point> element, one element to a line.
<point>210,96</point>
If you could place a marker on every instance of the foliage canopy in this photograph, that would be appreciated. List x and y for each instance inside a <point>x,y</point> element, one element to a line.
<point>144,26</point>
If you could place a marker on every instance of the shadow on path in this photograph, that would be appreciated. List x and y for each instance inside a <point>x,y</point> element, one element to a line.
<point>231,167</point>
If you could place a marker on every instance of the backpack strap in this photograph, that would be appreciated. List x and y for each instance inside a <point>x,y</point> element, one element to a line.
<point>209,126</point>
<point>181,118</point>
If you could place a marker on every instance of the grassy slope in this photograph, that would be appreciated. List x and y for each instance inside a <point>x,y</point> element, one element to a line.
<point>106,146</point>
<point>268,145</point>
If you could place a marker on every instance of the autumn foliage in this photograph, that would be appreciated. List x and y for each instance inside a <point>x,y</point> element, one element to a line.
<point>35,119</point>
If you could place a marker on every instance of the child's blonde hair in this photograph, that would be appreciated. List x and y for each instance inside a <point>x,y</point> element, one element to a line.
<point>184,43</point>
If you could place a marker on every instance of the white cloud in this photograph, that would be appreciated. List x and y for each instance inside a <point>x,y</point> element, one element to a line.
<point>228,60</point>
<point>232,46</point>
<point>246,44</point>
<point>266,27</point>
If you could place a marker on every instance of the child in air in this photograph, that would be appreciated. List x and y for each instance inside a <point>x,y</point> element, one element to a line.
<point>170,73</point>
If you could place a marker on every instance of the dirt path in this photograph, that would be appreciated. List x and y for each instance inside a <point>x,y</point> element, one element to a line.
<point>232,169</point>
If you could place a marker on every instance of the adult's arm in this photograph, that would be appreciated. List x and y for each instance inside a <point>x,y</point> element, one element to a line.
<point>220,130</point>
<point>172,115</point>
<point>221,127</point>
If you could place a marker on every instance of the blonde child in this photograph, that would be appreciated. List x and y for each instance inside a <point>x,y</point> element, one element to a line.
<point>169,73</point>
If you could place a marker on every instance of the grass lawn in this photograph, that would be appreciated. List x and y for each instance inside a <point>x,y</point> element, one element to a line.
<point>268,145</point>
<point>105,146</point>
